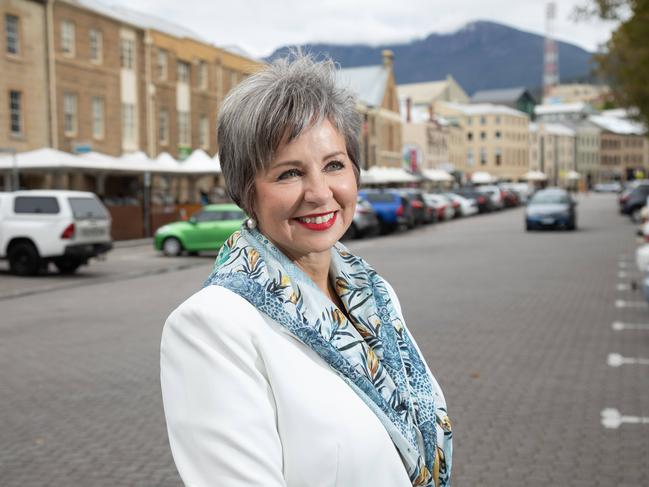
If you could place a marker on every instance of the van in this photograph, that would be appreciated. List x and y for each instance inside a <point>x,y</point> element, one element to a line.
<point>41,226</point>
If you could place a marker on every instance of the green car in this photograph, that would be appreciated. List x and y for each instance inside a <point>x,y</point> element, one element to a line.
<point>207,229</point>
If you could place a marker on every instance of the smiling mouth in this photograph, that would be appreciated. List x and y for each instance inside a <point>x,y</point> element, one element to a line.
<point>318,222</point>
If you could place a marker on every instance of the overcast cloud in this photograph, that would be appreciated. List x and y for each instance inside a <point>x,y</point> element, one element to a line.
<point>260,26</point>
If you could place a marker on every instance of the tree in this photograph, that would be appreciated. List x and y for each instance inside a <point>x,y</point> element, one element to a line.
<point>625,59</point>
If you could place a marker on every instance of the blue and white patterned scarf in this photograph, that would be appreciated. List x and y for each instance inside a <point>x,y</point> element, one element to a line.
<point>372,351</point>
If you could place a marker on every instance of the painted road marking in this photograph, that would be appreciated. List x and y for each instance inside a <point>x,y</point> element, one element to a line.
<point>620,303</point>
<point>623,265</point>
<point>622,274</point>
<point>623,287</point>
<point>611,418</point>
<point>620,326</point>
<point>617,360</point>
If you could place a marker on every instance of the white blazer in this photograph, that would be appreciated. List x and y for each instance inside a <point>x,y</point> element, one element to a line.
<point>247,404</point>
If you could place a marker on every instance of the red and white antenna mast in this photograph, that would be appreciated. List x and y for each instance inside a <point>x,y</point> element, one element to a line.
<point>550,51</point>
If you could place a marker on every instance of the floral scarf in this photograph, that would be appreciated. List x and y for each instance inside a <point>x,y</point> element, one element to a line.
<point>372,351</point>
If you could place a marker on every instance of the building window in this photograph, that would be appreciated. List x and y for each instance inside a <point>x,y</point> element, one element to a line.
<point>162,64</point>
<point>15,112</point>
<point>69,113</point>
<point>128,123</point>
<point>97,117</point>
<point>498,157</point>
<point>127,53</point>
<point>12,27</point>
<point>96,46</point>
<point>202,75</point>
<point>184,134</point>
<point>163,127</point>
<point>483,120</point>
<point>469,136</point>
<point>469,121</point>
<point>483,156</point>
<point>204,132</point>
<point>67,38</point>
<point>469,157</point>
<point>234,79</point>
<point>182,72</point>
<point>497,119</point>
<point>497,134</point>
<point>483,135</point>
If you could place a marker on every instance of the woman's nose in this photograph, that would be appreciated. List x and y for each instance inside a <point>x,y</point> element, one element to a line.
<point>317,189</point>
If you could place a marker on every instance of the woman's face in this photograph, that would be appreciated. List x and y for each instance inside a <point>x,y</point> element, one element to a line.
<point>306,199</point>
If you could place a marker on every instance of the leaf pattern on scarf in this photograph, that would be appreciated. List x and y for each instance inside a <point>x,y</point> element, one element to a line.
<point>371,350</point>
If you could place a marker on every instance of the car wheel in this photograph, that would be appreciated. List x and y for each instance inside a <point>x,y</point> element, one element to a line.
<point>67,266</point>
<point>24,259</point>
<point>172,246</point>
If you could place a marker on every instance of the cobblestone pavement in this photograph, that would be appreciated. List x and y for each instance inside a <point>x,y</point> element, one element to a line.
<point>516,326</point>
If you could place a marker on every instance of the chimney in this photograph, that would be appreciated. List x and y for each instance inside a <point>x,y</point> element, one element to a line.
<point>388,58</point>
<point>408,110</point>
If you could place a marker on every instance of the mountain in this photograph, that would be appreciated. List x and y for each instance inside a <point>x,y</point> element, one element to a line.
<point>481,55</point>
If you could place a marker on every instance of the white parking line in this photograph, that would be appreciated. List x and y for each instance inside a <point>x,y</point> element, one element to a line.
<point>620,303</point>
<point>623,265</point>
<point>617,360</point>
<point>623,287</point>
<point>620,326</point>
<point>611,418</point>
<point>622,274</point>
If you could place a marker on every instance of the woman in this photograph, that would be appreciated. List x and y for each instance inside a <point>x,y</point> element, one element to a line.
<point>293,365</point>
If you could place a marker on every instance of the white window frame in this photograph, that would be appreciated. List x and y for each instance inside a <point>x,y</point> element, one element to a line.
<point>16,113</point>
<point>68,38</point>
<point>163,126</point>
<point>128,124</point>
<point>96,44</point>
<point>202,75</point>
<point>98,117</point>
<point>12,34</point>
<point>183,70</point>
<point>70,113</point>
<point>204,131</point>
<point>162,64</point>
<point>184,129</point>
<point>127,53</point>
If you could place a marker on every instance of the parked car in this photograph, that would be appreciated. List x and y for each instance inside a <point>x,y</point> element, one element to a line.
<point>522,190</point>
<point>392,209</point>
<point>494,194</point>
<point>466,206</point>
<point>443,206</point>
<point>365,220</point>
<point>631,202</point>
<point>207,229</point>
<point>551,207</point>
<point>42,226</point>
<point>482,200</point>
<point>608,187</point>
<point>510,198</point>
<point>424,213</point>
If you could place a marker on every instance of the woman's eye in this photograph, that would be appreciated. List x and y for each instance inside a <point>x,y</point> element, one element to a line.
<point>291,173</point>
<point>334,166</point>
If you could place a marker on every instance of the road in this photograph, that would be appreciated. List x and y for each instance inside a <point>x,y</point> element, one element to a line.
<point>529,334</point>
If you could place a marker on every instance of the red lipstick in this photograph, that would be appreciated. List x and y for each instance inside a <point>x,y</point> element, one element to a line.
<point>318,227</point>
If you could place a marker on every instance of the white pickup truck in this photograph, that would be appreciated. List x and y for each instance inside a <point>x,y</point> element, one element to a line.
<point>41,226</point>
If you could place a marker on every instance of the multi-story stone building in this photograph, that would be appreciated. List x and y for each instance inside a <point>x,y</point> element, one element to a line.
<point>24,76</point>
<point>623,148</point>
<point>378,104</point>
<point>595,95</point>
<point>496,138</point>
<point>587,144</point>
<point>552,151</point>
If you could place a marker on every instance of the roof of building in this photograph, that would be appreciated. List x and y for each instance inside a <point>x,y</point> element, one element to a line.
<point>618,125</point>
<point>558,129</point>
<point>577,107</point>
<point>367,82</point>
<point>504,95</point>
<point>422,93</point>
<point>485,109</point>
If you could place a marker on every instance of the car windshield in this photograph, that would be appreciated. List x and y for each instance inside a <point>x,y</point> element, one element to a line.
<point>550,198</point>
<point>87,208</point>
<point>379,197</point>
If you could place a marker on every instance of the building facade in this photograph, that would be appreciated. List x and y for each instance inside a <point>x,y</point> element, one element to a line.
<point>495,136</point>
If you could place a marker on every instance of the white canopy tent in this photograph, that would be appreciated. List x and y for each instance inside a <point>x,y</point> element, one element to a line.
<point>437,175</point>
<point>201,163</point>
<point>535,176</point>
<point>481,177</point>
<point>387,175</point>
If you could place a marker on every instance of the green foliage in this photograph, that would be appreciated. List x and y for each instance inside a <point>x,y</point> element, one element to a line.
<point>625,62</point>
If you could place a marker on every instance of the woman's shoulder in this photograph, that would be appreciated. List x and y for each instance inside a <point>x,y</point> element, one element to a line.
<point>213,313</point>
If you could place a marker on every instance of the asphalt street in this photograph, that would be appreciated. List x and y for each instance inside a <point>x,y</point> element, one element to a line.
<point>538,340</point>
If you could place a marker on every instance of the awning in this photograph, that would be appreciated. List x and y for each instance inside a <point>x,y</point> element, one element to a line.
<point>534,176</point>
<point>482,178</point>
<point>201,163</point>
<point>387,175</point>
<point>437,175</point>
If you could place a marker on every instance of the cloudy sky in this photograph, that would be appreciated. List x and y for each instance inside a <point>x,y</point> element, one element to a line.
<point>260,26</point>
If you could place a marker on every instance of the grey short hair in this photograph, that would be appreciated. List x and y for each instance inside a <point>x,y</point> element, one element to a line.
<point>276,105</point>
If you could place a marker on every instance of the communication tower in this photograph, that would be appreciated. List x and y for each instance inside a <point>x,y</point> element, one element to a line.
<point>550,51</point>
